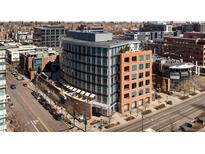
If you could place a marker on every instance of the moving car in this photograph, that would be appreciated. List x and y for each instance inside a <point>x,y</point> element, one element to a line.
<point>13,86</point>
<point>186,127</point>
<point>20,78</point>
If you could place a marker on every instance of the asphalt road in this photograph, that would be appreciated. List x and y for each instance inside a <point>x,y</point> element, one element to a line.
<point>169,119</point>
<point>31,115</point>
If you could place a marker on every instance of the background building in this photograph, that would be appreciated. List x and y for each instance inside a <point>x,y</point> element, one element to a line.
<point>48,36</point>
<point>23,37</point>
<point>190,47</point>
<point>135,79</point>
<point>13,54</point>
<point>3,89</point>
<point>90,61</point>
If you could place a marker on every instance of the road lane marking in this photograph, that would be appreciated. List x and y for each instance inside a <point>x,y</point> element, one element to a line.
<point>43,124</point>
<point>34,126</point>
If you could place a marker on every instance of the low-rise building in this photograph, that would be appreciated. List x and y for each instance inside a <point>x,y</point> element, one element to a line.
<point>35,61</point>
<point>23,37</point>
<point>169,73</point>
<point>13,54</point>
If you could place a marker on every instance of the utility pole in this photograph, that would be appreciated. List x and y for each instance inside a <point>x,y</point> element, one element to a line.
<point>74,114</point>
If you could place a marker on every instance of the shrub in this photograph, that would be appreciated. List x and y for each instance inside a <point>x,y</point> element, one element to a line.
<point>159,106</point>
<point>109,126</point>
<point>193,93</point>
<point>169,102</point>
<point>183,97</point>
<point>146,112</point>
<point>94,122</point>
<point>130,118</point>
<point>112,125</point>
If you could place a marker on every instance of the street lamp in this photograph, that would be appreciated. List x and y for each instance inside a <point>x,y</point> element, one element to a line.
<point>74,113</point>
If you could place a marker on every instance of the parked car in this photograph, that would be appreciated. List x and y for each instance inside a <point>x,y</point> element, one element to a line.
<point>13,86</point>
<point>58,116</point>
<point>36,95</point>
<point>47,106</point>
<point>42,101</point>
<point>52,111</point>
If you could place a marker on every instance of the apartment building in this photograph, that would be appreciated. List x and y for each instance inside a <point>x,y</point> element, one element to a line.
<point>135,79</point>
<point>190,47</point>
<point>90,62</point>
<point>48,36</point>
<point>3,89</point>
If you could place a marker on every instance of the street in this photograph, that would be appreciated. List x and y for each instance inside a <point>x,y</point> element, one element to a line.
<point>171,117</point>
<point>32,116</point>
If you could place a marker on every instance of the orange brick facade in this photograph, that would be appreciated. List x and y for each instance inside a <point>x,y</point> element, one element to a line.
<point>135,79</point>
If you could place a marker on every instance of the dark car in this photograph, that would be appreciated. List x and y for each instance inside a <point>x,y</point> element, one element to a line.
<point>47,106</point>
<point>52,111</point>
<point>13,86</point>
<point>36,95</point>
<point>58,116</point>
<point>42,101</point>
<point>186,127</point>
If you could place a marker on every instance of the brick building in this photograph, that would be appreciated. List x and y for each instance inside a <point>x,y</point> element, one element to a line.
<point>33,62</point>
<point>190,47</point>
<point>135,79</point>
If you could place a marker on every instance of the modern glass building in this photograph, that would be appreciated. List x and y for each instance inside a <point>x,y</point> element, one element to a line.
<point>2,90</point>
<point>90,61</point>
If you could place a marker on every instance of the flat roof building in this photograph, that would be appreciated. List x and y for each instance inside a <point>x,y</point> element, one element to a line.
<point>48,36</point>
<point>135,80</point>
<point>172,72</point>
<point>190,47</point>
<point>90,62</point>
<point>35,61</point>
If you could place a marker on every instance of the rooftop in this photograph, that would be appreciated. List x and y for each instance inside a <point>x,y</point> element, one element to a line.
<point>51,26</point>
<point>40,54</point>
<point>173,63</point>
<point>102,44</point>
